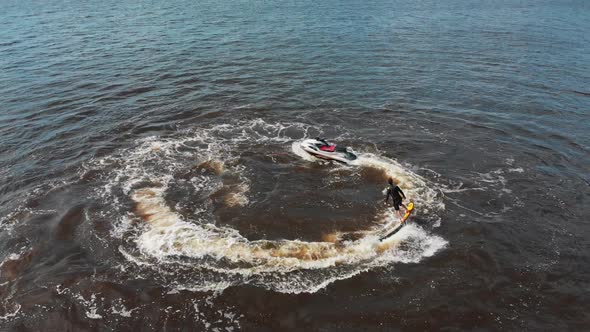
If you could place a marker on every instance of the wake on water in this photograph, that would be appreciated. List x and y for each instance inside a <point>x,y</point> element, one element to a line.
<point>192,252</point>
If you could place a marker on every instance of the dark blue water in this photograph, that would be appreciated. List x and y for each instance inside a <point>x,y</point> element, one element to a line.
<point>479,108</point>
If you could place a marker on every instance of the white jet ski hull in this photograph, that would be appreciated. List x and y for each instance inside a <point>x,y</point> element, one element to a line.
<point>342,155</point>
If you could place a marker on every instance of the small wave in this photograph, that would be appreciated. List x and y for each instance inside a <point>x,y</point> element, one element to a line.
<point>582,93</point>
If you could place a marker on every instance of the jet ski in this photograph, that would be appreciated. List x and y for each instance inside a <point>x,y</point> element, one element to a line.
<point>320,148</point>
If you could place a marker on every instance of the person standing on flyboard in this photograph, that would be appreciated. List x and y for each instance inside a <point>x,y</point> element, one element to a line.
<point>397,195</point>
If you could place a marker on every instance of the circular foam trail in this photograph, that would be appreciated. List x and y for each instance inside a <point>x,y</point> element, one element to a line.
<point>222,255</point>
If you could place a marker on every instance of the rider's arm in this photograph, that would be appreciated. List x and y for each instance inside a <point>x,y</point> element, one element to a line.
<point>401,192</point>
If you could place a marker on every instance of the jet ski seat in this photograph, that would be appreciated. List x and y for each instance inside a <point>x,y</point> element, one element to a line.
<point>328,148</point>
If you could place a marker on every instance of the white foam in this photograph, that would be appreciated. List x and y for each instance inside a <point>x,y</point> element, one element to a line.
<point>15,256</point>
<point>121,310</point>
<point>238,197</point>
<point>90,305</point>
<point>206,312</point>
<point>10,315</point>
<point>11,257</point>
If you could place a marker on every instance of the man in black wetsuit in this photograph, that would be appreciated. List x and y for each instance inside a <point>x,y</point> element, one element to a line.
<point>397,195</point>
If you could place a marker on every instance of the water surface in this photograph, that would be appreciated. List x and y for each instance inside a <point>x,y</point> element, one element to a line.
<point>150,176</point>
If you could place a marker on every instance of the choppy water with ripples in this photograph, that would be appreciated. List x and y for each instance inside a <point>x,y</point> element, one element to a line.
<point>151,176</point>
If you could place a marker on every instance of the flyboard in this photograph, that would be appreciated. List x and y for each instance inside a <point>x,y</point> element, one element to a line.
<point>400,224</point>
